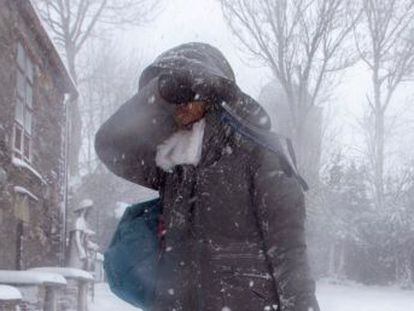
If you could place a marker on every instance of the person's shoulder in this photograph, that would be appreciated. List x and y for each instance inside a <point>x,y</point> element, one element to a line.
<point>258,153</point>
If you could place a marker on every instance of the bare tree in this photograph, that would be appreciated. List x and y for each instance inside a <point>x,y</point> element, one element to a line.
<point>112,78</point>
<point>385,41</point>
<point>73,23</point>
<point>302,41</point>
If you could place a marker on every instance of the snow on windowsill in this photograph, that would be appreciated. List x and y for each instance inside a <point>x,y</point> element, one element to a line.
<point>22,190</point>
<point>9,293</point>
<point>16,277</point>
<point>19,163</point>
<point>69,273</point>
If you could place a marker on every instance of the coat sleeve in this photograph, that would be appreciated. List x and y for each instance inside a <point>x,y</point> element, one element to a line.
<point>281,215</point>
<point>126,143</point>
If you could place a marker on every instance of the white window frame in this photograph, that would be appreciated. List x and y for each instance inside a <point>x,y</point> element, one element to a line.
<point>23,115</point>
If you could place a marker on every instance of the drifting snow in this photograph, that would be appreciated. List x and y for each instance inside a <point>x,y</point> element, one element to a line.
<point>31,277</point>
<point>105,300</point>
<point>331,297</point>
<point>356,297</point>
<point>70,273</point>
<point>9,293</point>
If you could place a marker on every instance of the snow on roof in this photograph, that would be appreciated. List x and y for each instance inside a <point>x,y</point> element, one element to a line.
<point>9,293</point>
<point>69,273</point>
<point>25,191</point>
<point>19,163</point>
<point>31,277</point>
<point>42,31</point>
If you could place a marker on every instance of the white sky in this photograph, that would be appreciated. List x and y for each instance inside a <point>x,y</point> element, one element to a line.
<point>198,20</point>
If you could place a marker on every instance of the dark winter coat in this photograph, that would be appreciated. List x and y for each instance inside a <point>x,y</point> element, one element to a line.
<point>235,235</point>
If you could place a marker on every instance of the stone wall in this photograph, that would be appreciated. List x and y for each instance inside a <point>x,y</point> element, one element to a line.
<point>33,297</point>
<point>9,305</point>
<point>7,223</point>
<point>68,300</point>
<point>40,242</point>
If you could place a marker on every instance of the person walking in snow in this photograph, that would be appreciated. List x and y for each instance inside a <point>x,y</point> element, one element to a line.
<point>232,202</point>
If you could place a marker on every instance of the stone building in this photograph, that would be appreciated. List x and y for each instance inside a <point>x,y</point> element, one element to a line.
<point>34,87</point>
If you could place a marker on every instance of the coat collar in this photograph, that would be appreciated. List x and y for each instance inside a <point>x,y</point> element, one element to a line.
<point>216,136</point>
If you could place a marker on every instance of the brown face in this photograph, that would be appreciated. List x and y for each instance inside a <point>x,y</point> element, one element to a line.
<point>188,113</point>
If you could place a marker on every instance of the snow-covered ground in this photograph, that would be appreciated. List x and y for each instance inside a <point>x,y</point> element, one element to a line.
<point>106,301</point>
<point>331,298</point>
<point>356,297</point>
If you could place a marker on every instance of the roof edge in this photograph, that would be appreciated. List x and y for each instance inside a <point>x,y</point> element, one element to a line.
<point>48,45</point>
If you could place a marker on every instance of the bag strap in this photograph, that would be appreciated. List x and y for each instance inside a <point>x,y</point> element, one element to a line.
<point>269,140</point>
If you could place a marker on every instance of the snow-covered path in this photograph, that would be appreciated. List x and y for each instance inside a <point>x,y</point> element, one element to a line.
<point>106,301</point>
<point>363,298</point>
<point>331,298</point>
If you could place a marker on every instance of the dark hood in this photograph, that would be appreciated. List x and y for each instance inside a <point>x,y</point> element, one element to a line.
<point>199,59</point>
<point>208,73</point>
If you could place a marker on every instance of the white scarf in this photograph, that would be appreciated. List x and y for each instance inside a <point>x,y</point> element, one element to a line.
<point>183,147</point>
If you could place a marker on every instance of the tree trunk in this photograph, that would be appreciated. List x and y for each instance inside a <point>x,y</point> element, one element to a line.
<point>331,260</point>
<point>342,258</point>
<point>404,271</point>
<point>378,140</point>
<point>379,159</point>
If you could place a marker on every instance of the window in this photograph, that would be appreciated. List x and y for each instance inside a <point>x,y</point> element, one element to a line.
<point>21,207</point>
<point>24,106</point>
